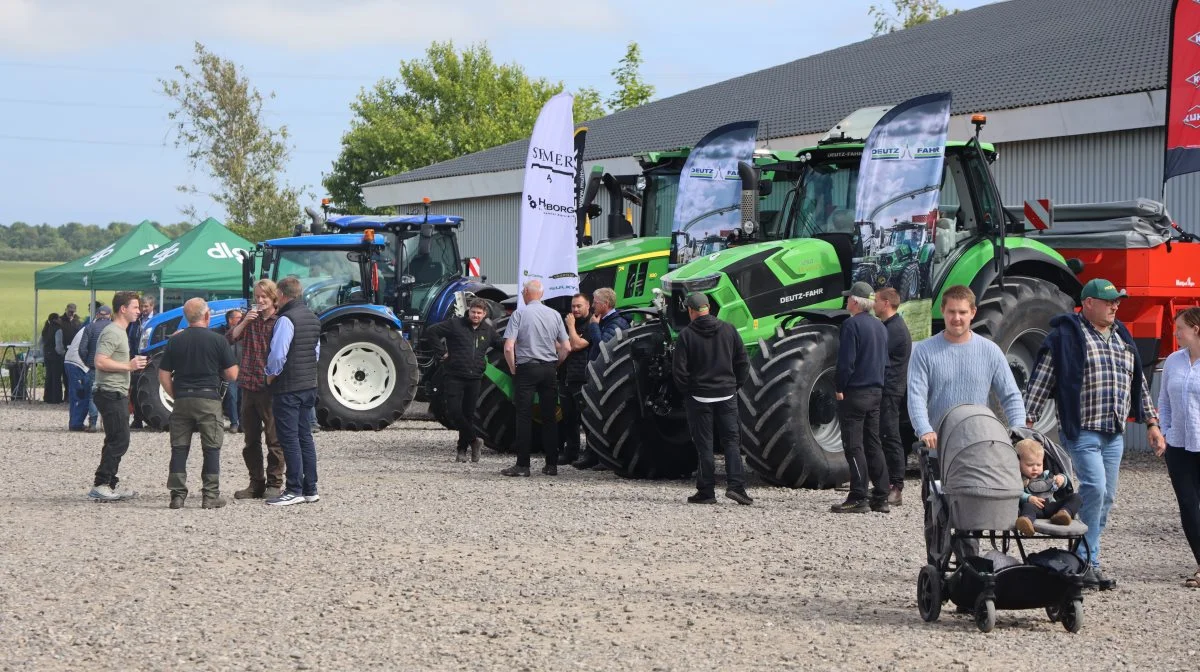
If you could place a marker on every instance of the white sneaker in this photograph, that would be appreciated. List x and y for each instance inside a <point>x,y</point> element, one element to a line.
<point>103,493</point>
<point>286,499</point>
<point>312,499</point>
<point>123,492</point>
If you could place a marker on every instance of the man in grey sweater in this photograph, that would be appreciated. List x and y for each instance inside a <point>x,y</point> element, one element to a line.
<point>958,367</point>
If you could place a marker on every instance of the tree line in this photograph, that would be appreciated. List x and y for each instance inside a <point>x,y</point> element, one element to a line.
<point>42,242</point>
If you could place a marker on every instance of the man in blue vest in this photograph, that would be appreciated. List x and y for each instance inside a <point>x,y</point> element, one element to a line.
<point>292,380</point>
<point>1091,365</point>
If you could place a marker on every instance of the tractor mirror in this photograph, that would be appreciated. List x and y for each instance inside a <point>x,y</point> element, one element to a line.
<point>426,240</point>
<point>765,188</point>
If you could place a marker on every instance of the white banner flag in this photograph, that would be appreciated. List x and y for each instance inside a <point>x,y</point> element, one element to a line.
<point>547,247</point>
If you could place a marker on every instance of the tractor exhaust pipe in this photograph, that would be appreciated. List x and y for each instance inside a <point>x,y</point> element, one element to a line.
<point>618,226</point>
<point>749,210</point>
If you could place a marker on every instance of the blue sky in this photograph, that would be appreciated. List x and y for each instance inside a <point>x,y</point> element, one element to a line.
<point>84,134</point>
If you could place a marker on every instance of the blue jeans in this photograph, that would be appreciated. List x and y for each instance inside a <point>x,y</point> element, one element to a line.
<point>233,404</point>
<point>79,392</point>
<point>293,428</point>
<point>1097,458</point>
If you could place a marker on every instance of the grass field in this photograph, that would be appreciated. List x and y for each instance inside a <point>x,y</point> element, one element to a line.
<point>16,300</point>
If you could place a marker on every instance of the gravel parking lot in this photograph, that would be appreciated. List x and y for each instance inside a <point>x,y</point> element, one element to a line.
<point>412,561</point>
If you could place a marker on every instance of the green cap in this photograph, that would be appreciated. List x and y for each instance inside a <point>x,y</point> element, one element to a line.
<point>1102,289</point>
<point>861,290</point>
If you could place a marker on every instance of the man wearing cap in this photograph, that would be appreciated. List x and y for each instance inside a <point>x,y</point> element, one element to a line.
<point>1091,366</point>
<point>858,382</point>
<point>709,366</point>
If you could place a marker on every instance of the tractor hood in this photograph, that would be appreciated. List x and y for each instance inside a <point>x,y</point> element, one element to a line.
<point>747,283</point>
<point>622,251</point>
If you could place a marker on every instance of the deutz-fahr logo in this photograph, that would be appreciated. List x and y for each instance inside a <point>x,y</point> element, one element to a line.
<point>1192,118</point>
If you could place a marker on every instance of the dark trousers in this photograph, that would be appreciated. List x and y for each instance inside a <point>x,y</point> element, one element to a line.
<point>858,412</point>
<point>258,423</point>
<point>1184,468</point>
<point>461,395</point>
<point>1071,505</point>
<point>889,435</point>
<point>293,426</point>
<point>192,415</point>
<point>79,395</point>
<point>703,419</point>
<point>53,392</point>
<point>114,411</point>
<point>536,378</point>
<point>570,398</point>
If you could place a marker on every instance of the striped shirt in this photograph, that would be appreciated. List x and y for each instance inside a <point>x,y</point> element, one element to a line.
<point>1107,379</point>
<point>1179,401</point>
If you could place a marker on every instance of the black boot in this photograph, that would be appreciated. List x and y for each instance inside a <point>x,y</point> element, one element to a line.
<point>587,461</point>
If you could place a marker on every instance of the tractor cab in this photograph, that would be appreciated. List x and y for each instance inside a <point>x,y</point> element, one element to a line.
<point>333,269</point>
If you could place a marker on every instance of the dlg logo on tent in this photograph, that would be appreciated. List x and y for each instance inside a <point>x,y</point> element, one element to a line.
<point>149,248</point>
<point>223,251</point>
<point>99,256</point>
<point>164,254</point>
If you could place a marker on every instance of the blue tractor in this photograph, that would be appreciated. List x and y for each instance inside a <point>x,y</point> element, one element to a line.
<point>374,282</point>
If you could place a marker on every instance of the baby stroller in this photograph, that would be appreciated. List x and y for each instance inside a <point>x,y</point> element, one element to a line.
<point>971,487</point>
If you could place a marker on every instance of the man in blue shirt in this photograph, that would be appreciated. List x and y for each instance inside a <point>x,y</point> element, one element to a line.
<point>858,382</point>
<point>292,379</point>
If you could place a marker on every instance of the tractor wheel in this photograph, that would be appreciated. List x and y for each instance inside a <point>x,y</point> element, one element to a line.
<point>436,398</point>
<point>1017,318</point>
<point>633,444</point>
<point>367,375</point>
<point>790,430</point>
<point>908,282</point>
<point>495,413</point>
<point>153,403</point>
<point>866,273</point>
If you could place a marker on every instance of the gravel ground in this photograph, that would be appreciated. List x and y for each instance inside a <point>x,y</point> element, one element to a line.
<point>411,561</point>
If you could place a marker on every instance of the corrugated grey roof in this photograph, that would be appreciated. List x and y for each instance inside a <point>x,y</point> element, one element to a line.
<point>1000,56</point>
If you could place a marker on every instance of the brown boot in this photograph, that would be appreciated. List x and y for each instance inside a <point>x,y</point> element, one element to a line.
<point>272,492</point>
<point>1061,518</point>
<point>1025,526</point>
<point>253,491</point>
<point>177,501</point>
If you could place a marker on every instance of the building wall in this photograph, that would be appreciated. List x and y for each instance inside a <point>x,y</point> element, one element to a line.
<point>1096,168</point>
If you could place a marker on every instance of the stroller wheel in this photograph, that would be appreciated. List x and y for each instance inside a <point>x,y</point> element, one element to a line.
<point>929,593</point>
<point>1054,612</point>
<point>1072,615</point>
<point>985,614</point>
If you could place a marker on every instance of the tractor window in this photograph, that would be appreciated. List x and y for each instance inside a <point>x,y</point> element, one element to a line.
<point>826,202</point>
<point>658,204</point>
<point>329,277</point>
<point>430,270</point>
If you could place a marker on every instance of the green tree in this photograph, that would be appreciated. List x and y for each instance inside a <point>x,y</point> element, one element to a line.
<point>442,106</point>
<point>908,13</point>
<point>219,123</point>
<point>631,90</point>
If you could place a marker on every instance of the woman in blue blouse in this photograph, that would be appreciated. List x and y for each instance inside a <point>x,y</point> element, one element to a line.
<point>1179,413</point>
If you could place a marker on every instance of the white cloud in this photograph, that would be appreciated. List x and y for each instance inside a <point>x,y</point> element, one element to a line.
<point>49,26</point>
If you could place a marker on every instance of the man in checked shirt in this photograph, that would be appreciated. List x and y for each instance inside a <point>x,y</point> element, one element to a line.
<point>254,334</point>
<point>1091,366</point>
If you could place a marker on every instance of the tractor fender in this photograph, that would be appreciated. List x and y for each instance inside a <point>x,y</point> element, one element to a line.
<point>443,306</point>
<point>173,319</point>
<point>1025,257</point>
<point>369,311</point>
<point>834,316</point>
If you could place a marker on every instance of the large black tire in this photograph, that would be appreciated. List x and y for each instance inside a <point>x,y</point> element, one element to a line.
<point>367,375</point>
<point>908,282</point>
<point>633,444</point>
<point>151,402</point>
<point>436,398</point>
<point>790,432</point>
<point>1017,318</point>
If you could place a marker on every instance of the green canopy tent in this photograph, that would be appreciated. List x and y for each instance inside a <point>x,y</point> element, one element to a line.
<point>206,259</point>
<point>78,274</point>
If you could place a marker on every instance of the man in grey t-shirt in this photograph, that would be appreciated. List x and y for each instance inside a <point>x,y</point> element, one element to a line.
<point>535,342</point>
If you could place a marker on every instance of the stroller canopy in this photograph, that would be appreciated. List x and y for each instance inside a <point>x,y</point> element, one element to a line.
<point>980,473</point>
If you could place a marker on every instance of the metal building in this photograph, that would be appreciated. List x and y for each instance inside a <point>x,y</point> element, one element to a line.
<point>1074,91</point>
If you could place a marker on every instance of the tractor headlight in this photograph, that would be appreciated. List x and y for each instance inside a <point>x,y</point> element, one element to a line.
<point>659,301</point>
<point>641,183</point>
<point>701,284</point>
<point>748,227</point>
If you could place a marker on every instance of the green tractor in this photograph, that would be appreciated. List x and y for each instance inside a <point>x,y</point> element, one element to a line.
<point>784,295</point>
<point>903,261</point>
<point>632,265</point>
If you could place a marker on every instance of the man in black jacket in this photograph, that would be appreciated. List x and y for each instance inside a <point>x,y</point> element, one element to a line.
<point>895,384</point>
<point>581,333</point>
<point>462,343</point>
<point>710,366</point>
<point>858,382</point>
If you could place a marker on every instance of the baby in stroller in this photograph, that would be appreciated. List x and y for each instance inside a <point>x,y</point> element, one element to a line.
<point>1046,494</point>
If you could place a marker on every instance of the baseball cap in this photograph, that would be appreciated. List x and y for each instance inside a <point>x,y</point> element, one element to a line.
<point>1102,289</point>
<point>860,289</point>
<point>104,310</point>
<point>697,301</point>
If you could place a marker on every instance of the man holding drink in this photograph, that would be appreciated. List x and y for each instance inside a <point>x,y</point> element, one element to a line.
<point>110,392</point>
<point>253,333</point>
